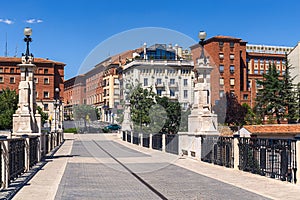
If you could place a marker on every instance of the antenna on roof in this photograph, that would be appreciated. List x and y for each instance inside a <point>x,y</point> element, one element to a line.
<point>16,51</point>
<point>6,53</point>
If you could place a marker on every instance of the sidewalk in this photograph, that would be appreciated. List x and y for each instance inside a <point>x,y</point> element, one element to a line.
<point>45,183</point>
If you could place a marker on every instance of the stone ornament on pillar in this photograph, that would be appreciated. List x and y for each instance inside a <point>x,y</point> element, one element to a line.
<point>202,121</point>
<point>26,120</point>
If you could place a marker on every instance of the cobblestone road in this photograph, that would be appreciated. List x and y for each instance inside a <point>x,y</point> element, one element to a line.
<point>103,169</point>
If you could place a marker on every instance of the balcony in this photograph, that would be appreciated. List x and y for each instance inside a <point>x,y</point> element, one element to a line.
<point>160,85</point>
<point>173,85</point>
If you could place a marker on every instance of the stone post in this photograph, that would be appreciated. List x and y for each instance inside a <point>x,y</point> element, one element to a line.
<point>150,140</point>
<point>141,139</point>
<point>131,137</point>
<point>4,162</point>
<point>163,148</point>
<point>27,152</point>
<point>236,152</point>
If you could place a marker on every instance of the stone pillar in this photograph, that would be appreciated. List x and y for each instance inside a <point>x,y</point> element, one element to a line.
<point>27,152</point>
<point>131,137</point>
<point>236,152</point>
<point>141,139</point>
<point>163,148</point>
<point>4,162</point>
<point>150,140</point>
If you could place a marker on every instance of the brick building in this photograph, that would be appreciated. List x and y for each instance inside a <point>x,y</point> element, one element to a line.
<point>238,66</point>
<point>49,75</point>
<point>228,57</point>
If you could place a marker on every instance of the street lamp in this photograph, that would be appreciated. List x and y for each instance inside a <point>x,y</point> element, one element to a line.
<point>27,39</point>
<point>56,104</point>
<point>202,36</point>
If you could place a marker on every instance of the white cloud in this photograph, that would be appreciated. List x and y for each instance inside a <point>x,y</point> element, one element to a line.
<point>6,21</point>
<point>34,21</point>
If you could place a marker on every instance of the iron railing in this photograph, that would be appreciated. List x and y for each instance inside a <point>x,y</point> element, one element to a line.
<point>136,139</point>
<point>223,152</point>
<point>124,135</point>
<point>275,158</point>
<point>207,148</point>
<point>157,141</point>
<point>16,151</point>
<point>33,151</point>
<point>1,164</point>
<point>172,143</point>
<point>146,140</point>
<point>128,136</point>
<point>46,150</point>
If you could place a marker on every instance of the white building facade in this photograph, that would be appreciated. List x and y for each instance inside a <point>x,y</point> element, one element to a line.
<point>171,78</point>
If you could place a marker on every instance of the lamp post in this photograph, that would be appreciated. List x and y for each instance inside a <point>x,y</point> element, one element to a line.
<point>27,39</point>
<point>202,36</point>
<point>56,104</point>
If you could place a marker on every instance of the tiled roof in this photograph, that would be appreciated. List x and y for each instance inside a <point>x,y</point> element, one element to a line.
<point>36,60</point>
<point>280,129</point>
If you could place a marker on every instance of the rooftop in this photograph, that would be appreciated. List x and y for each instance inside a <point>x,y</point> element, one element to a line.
<point>276,129</point>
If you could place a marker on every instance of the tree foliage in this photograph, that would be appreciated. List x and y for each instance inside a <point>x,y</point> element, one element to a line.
<point>230,111</point>
<point>8,106</point>
<point>151,113</point>
<point>44,116</point>
<point>277,98</point>
<point>85,112</point>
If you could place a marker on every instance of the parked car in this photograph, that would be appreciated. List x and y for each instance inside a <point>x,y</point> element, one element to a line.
<point>111,127</point>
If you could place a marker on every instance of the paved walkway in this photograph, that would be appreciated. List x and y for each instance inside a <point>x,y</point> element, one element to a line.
<point>104,167</point>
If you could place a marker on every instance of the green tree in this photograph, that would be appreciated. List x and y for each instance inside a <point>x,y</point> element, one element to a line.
<point>250,117</point>
<point>86,113</point>
<point>289,94</point>
<point>230,111</point>
<point>44,115</point>
<point>8,106</point>
<point>277,98</point>
<point>151,113</point>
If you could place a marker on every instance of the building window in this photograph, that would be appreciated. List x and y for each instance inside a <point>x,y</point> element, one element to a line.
<point>231,56</point>
<point>46,71</point>
<point>221,68</point>
<point>46,94</point>
<point>145,82</point>
<point>12,80</point>
<point>1,70</point>
<point>46,107</point>
<point>1,79</point>
<point>46,81</point>
<point>255,71</point>
<point>158,81</point>
<point>172,81</point>
<point>221,56</point>
<point>185,82</point>
<point>231,69</point>
<point>245,96</point>
<point>36,80</point>
<point>232,81</point>
<point>185,94</point>
<point>221,93</point>
<point>12,70</point>
<point>261,71</point>
<point>221,81</point>
<point>221,44</point>
<point>159,92</point>
<point>172,93</point>
<point>231,44</point>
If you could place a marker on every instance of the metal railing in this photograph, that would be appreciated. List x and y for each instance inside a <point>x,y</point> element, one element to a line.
<point>275,158</point>
<point>172,143</point>
<point>16,149</point>
<point>136,139</point>
<point>1,182</point>
<point>33,151</point>
<point>157,141</point>
<point>146,140</point>
<point>223,152</point>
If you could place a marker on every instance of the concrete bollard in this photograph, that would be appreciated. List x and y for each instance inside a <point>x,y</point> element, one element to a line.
<point>236,152</point>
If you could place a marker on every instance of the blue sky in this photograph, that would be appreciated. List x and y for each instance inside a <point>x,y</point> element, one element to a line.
<point>68,31</point>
